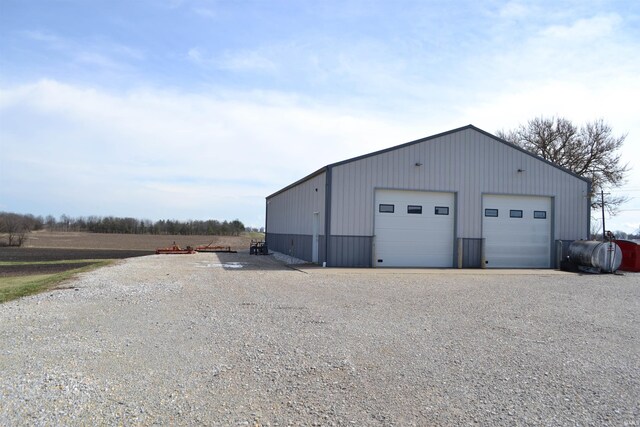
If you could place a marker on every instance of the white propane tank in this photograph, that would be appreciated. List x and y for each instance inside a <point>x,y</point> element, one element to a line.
<point>604,256</point>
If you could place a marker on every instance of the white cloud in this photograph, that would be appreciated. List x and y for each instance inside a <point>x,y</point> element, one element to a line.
<point>584,30</point>
<point>587,50</point>
<point>96,59</point>
<point>195,55</point>
<point>99,53</point>
<point>240,60</point>
<point>514,10</point>
<point>52,40</point>
<point>246,61</point>
<point>318,98</point>
<point>158,153</point>
<point>152,152</point>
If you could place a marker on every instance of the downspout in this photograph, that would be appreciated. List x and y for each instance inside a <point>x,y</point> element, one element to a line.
<point>266,220</point>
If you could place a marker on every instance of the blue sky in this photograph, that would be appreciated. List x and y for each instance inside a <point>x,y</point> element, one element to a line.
<point>199,109</point>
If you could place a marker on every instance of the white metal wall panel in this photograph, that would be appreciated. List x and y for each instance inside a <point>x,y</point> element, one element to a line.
<point>467,162</point>
<point>292,211</point>
<point>413,240</point>
<point>512,242</point>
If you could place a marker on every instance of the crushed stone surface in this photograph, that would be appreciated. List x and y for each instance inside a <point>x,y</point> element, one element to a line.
<point>234,339</point>
<point>287,259</point>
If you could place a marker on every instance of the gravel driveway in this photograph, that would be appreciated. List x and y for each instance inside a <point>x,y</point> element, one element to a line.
<point>231,339</point>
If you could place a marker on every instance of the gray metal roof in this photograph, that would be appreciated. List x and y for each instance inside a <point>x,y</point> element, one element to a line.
<point>417,141</point>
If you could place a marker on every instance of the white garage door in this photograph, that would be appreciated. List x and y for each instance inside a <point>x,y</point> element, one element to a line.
<point>413,229</point>
<point>517,231</point>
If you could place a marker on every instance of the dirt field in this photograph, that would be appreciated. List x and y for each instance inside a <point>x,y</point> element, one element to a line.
<point>58,246</point>
<point>73,240</point>
<point>55,254</point>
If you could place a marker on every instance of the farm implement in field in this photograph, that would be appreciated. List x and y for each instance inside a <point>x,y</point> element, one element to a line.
<point>258,247</point>
<point>175,249</point>
<point>209,248</point>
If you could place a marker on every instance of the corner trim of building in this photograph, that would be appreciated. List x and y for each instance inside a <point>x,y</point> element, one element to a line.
<point>266,218</point>
<point>327,213</point>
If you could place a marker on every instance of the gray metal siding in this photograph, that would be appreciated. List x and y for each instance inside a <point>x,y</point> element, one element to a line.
<point>321,253</point>
<point>350,251</point>
<point>295,245</point>
<point>471,253</point>
<point>467,162</point>
<point>291,211</point>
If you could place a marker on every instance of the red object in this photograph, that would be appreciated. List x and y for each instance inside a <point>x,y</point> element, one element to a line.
<point>175,249</point>
<point>210,248</point>
<point>630,255</point>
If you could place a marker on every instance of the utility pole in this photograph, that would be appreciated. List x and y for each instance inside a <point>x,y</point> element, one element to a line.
<point>604,229</point>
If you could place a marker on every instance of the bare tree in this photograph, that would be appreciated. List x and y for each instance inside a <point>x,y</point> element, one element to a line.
<point>590,151</point>
<point>15,227</point>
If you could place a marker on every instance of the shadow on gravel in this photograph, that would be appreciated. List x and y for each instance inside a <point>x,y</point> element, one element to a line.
<point>242,261</point>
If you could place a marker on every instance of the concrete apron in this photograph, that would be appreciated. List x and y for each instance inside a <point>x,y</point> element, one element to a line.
<point>314,269</point>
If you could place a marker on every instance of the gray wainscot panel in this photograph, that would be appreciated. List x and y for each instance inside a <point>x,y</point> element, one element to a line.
<point>471,253</point>
<point>321,243</point>
<point>295,245</point>
<point>350,251</point>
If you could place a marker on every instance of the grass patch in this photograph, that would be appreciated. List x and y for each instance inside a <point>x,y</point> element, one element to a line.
<point>65,261</point>
<point>254,235</point>
<point>20,286</point>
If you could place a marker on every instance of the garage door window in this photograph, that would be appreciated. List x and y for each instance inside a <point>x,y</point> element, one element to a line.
<point>442,210</point>
<point>491,212</point>
<point>514,213</point>
<point>414,209</point>
<point>386,208</point>
<point>540,214</point>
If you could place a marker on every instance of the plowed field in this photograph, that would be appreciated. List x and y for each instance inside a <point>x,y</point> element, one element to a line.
<point>54,254</point>
<point>30,269</point>
<point>63,246</point>
<point>143,242</point>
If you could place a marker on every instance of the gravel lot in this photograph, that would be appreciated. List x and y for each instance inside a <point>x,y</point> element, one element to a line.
<point>230,339</point>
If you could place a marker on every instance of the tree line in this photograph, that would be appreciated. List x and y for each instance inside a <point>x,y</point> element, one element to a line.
<point>16,226</point>
<point>128,225</point>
